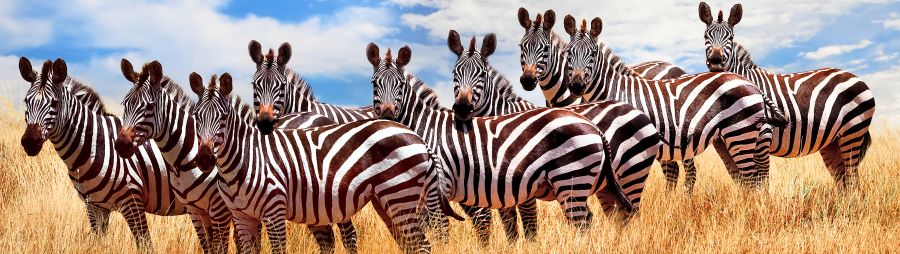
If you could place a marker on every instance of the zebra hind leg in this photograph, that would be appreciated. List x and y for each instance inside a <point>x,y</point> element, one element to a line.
<point>98,218</point>
<point>276,230</point>
<point>528,211</point>
<point>481,221</point>
<point>690,175</point>
<point>137,223</point>
<point>248,233</point>
<point>670,169</point>
<point>348,236</point>
<point>220,218</point>
<point>324,238</point>
<point>403,215</point>
<point>732,168</point>
<point>203,227</point>
<point>510,218</point>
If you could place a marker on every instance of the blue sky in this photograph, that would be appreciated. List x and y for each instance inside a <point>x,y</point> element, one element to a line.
<point>329,38</point>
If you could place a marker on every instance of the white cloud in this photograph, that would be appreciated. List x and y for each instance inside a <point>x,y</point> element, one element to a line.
<point>19,30</point>
<point>884,84</point>
<point>833,50</point>
<point>893,22</point>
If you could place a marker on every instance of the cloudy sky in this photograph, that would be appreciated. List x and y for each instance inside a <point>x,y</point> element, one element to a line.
<point>329,38</point>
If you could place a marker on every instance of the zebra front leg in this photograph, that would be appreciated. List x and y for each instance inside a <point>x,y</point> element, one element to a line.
<point>98,218</point>
<point>510,219</point>
<point>481,222</point>
<point>324,238</point>
<point>348,236</point>
<point>203,226</point>
<point>220,218</point>
<point>247,233</point>
<point>528,212</point>
<point>137,223</point>
<point>276,229</point>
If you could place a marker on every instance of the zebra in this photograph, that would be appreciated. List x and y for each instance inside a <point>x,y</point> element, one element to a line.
<point>690,112</point>
<point>633,138</point>
<point>71,115</point>
<point>278,90</point>
<point>543,55</point>
<point>829,109</point>
<point>503,161</point>
<point>314,176</point>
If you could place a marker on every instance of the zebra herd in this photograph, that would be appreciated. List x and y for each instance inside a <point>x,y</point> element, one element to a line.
<point>292,158</point>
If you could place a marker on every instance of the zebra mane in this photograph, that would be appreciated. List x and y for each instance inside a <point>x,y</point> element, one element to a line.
<point>87,96</point>
<point>424,94</point>
<point>174,91</point>
<point>298,85</point>
<point>615,61</point>
<point>743,57</point>
<point>503,87</point>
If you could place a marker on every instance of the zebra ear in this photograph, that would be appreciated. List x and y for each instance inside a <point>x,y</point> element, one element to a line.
<point>26,70</point>
<point>225,84</point>
<point>549,19</point>
<point>488,45</point>
<point>569,24</point>
<point>284,53</point>
<point>403,56</point>
<point>155,73</point>
<point>255,52</point>
<point>197,84</point>
<point>523,18</point>
<point>735,16</point>
<point>596,27</point>
<point>705,13</point>
<point>454,43</point>
<point>128,71</point>
<point>372,54</point>
<point>60,71</point>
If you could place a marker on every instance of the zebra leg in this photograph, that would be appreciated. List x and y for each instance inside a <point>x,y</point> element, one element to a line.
<point>528,211</point>
<point>98,218</point>
<point>761,157</point>
<point>576,210</point>
<point>742,149</point>
<point>727,160</point>
<point>324,238</point>
<point>348,236</point>
<point>670,169</point>
<point>203,227</point>
<point>275,228</point>
<point>609,202</point>
<point>248,232</point>
<point>690,175</point>
<point>220,218</point>
<point>402,221</point>
<point>510,219</point>
<point>481,221</point>
<point>137,222</point>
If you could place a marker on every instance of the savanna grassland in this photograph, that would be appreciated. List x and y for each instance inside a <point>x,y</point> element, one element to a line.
<point>801,211</point>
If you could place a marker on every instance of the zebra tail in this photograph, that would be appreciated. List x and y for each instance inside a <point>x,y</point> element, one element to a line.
<point>864,147</point>
<point>612,179</point>
<point>438,172</point>
<point>777,119</point>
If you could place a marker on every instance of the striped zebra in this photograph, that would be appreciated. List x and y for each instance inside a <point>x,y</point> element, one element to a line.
<point>543,57</point>
<point>690,112</point>
<point>72,116</point>
<point>278,90</point>
<point>633,139</point>
<point>313,176</point>
<point>503,161</point>
<point>829,109</point>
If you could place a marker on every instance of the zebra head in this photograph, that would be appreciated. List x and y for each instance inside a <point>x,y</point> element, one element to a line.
<point>210,115</point>
<point>140,121</point>
<point>535,47</point>
<point>269,84</point>
<point>389,81</point>
<point>41,102</point>
<point>719,36</point>
<point>469,73</point>
<point>582,52</point>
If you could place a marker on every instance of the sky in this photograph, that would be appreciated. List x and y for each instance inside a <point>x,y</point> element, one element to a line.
<point>329,39</point>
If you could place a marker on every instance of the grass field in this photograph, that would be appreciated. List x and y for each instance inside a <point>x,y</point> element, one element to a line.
<point>800,212</point>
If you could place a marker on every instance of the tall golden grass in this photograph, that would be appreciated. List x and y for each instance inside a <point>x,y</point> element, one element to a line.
<point>801,211</point>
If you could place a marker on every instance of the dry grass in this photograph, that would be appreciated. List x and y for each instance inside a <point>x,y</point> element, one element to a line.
<point>801,212</point>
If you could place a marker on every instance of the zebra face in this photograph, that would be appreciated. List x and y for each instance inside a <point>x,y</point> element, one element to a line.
<point>389,81</point>
<point>269,84</point>
<point>469,74</point>
<point>41,102</point>
<point>535,47</point>
<point>210,115</point>
<point>719,37</point>
<point>139,123</point>
<point>582,53</point>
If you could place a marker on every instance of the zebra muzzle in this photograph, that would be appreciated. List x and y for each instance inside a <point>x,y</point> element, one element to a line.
<point>33,139</point>
<point>206,158</point>
<point>126,144</point>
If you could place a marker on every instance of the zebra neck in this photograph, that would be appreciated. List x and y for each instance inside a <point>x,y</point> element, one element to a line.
<point>78,135</point>
<point>610,70</point>
<point>501,99</point>
<point>238,145</point>
<point>178,143</point>
<point>741,62</point>
<point>552,84</point>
